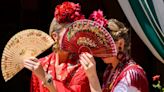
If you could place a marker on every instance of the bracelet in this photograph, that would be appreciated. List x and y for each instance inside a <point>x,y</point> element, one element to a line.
<point>48,80</point>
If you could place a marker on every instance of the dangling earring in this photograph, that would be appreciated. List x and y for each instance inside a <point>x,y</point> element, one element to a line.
<point>55,47</point>
<point>120,54</point>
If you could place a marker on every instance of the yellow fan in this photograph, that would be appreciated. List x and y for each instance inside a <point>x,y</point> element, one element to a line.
<point>24,44</point>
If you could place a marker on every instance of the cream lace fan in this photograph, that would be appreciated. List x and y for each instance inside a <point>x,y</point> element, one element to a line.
<point>24,44</point>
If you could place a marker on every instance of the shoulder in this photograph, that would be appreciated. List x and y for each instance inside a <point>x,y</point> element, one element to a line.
<point>131,74</point>
<point>134,70</point>
<point>132,77</point>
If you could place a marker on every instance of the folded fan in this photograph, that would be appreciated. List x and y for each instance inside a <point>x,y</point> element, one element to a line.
<point>24,44</point>
<point>88,36</point>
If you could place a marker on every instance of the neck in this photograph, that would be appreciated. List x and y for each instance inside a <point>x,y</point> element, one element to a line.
<point>63,56</point>
<point>111,60</point>
<point>115,63</point>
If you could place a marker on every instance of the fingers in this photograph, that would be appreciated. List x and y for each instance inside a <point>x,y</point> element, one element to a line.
<point>31,63</point>
<point>86,60</point>
<point>89,55</point>
<point>33,59</point>
<point>83,64</point>
<point>28,66</point>
<point>35,66</point>
<point>91,58</point>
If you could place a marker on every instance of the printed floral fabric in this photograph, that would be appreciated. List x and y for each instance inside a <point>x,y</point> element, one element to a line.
<point>70,78</point>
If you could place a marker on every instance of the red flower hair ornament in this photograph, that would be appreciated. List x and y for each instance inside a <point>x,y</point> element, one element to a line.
<point>68,12</point>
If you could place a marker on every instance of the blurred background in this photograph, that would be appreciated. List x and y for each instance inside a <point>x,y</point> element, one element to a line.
<point>17,15</point>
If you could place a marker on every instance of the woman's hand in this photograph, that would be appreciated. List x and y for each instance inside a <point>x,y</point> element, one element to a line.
<point>35,66</point>
<point>89,64</point>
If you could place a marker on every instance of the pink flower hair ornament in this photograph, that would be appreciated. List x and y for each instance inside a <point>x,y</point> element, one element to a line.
<point>99,17</point>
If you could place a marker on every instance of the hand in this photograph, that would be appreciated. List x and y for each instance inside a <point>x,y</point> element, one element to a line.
<point>89,64</point>
<point>35,66</point>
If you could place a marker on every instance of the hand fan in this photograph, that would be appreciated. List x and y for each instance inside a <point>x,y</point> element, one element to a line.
<point>88,36</point>
<point>24,44</point>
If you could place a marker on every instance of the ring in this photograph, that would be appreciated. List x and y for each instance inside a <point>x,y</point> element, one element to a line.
<point>87,64</point>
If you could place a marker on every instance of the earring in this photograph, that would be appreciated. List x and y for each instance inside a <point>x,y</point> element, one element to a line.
<point>55,47</point>
<point>120,54</point>
<point>119,48</point>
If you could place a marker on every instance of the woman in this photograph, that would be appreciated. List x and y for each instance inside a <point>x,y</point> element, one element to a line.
<point>122,73</point>
<point>60,71</point>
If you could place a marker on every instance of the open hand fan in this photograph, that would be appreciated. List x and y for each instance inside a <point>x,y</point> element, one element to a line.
<point>25,44</point>
<point>88,36</point>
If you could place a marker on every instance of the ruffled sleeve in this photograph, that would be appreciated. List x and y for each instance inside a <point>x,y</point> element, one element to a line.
<point>132,79</point>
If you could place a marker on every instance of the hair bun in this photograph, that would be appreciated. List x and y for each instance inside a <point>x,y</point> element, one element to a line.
<point>119,26</point>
